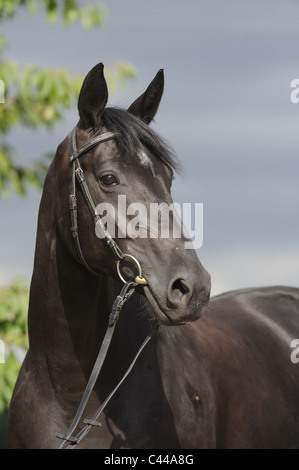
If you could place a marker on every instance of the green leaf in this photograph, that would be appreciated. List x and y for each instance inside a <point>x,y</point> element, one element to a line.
<point>13,335</point>
<point>51,10</point>
<point>32,7</point>
<point>37,97</point>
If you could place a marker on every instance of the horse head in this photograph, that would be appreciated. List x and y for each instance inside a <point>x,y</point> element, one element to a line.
<point>129,176</point>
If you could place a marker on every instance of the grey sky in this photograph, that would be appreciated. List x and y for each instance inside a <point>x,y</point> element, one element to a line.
<point>226,111</point>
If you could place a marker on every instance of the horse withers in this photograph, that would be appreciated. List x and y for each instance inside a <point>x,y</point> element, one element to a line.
<point>216,374</point>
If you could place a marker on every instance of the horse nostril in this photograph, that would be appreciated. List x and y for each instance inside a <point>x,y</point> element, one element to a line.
<point>180,288</point>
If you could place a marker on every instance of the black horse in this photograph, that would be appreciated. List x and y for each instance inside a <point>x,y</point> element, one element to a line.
<point>225,380</point>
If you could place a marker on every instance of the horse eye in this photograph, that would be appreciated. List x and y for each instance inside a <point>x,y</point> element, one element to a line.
<point>108,180</point>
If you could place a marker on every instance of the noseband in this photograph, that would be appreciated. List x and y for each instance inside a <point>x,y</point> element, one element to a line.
<point>67,439</point>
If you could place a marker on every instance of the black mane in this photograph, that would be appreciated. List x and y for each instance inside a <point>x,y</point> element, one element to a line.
<point>133,131</point>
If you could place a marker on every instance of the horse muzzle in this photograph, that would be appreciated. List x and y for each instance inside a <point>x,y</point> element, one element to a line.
<point>182,302</point>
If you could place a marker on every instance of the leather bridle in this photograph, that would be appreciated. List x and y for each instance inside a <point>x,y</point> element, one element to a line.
<point>78,175</point>
<point>67,439</point>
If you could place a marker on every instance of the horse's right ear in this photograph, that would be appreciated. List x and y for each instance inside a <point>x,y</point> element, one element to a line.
<point>93,97</point>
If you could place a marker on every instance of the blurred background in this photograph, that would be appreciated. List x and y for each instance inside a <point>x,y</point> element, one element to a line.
<point>226,111</point>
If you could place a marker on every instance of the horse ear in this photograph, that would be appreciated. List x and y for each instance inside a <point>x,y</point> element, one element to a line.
<point>93,97</point>
<point>146,106</point>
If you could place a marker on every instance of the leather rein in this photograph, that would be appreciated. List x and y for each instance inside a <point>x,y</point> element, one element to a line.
<point>68,440</point>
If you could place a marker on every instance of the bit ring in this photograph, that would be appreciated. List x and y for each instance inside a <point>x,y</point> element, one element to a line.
<point>139,279</point>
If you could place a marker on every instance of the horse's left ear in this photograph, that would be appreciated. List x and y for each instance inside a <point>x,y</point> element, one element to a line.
<point>93,97</point>
<point>146,106</point>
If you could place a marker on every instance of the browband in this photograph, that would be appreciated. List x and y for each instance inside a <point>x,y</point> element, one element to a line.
<point>74,153</point>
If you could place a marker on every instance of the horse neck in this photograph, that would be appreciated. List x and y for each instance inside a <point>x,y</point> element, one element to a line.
<point>68,308</point>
